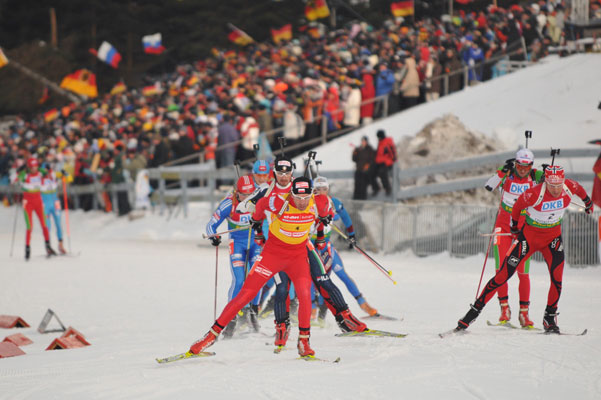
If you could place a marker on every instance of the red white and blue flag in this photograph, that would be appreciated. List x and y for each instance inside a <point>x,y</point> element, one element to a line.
<point>107,53</point>
<point>153,44</point>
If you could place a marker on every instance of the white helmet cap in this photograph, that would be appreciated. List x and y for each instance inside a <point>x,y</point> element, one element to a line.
<point>524,156</point>
<point>321,181</point>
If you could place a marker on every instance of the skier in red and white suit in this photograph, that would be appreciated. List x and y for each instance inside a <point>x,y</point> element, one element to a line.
<point>545,205</point>
<point>291,218</point>
<point>514,178</point>
<point>31,183</point>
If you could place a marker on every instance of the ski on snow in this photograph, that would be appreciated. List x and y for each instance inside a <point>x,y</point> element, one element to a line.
<point>279,349</point>
<point>313,358</point>
<point>536,330</point>
<point>382,317</point>
<point>511,326</point>
<point>371,333</point>
<point>184,356</point>
<point>452,332</point>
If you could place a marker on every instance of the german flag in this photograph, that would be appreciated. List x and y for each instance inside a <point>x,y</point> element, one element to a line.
<point>81,82</point>
<point>51,115</point>
<point>402,8</point>
<point>228,55</point>
<point>284,33</point>
<point>239,37</point>
<point>316,9</point>
<point>150,90</point>
<point>118,88</point>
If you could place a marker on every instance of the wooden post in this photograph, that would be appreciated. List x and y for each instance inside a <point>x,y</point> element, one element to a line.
<point>53,31</point>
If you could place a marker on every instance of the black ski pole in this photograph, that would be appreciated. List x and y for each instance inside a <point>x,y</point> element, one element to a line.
<point>282,141</point>
<point>528,135</point>
<point>554,152</point>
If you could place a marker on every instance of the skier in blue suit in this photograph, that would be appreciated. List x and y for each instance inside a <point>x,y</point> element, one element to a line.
<point>329,254</point>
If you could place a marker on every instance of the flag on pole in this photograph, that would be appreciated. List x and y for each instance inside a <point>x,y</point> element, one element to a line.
<point>81,82</point>
<point>153,44</point>
<point>402,8</point>
<point>284,33</point>
<point>238,36</point>
<point>107,53</point>
<point>3,59</point>
<point>316,9</point>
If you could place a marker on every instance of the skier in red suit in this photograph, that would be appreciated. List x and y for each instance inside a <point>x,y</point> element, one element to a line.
<point>513,179</point>
<point>545,205</point>
<point>31,183</point>
<point>291,217</point>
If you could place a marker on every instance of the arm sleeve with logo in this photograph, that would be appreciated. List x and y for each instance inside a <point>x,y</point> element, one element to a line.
<point>221,213</point>
<point>525,200</point>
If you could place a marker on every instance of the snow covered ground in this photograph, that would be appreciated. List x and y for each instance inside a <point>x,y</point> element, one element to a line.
<point>556,99</point>
<point>144,289</point>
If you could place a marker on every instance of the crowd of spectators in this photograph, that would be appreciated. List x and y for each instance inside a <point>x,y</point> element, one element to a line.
<point>234,95</point>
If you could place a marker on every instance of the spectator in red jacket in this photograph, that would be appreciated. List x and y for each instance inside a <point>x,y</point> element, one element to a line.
<point>385,158</point>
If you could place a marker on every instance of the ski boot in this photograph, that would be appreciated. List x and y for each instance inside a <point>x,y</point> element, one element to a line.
<point>471,315</point>
<point>253,317</point>
<point>61,248</point>
<point>550,320</point>
<point>282,331</point>
<point>368,309</point>
<point>505,312</point>
<point>207,340</point>
<point>229,330</point>
<point>349,323</point>
<point>27,252</point>
<point>49,250</point>
<point>525,321</point>
<point>303,345</point>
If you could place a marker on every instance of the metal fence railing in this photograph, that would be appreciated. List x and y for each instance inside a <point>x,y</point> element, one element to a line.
<point>456,229</point>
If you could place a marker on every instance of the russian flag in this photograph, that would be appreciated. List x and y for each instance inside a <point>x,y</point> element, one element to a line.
<point>107,53</point>
<point>153,44</point>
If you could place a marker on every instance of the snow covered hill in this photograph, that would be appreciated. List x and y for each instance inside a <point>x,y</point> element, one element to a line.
<point>144,289</point>
<point>556,99</point>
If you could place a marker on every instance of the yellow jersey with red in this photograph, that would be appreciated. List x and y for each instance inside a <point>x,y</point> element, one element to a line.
<point>289,226</point>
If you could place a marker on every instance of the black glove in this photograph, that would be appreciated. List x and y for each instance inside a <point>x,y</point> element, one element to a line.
<point>257,226</point>
<point>514,228</point>
<point>215,240</point>
<point>508,165</point>
<point>352,240</point>
<point>490,189</point>
<point>588,204</point>
<point>326,220</point>
<point>544,166</point>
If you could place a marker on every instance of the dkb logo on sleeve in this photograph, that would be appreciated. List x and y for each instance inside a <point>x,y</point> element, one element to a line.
<point>552,205</point>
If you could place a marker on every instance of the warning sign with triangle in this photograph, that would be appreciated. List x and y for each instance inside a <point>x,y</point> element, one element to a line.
<point>43,328</point>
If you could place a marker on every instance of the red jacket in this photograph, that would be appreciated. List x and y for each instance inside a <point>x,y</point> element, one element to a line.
<point>386,153</point>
